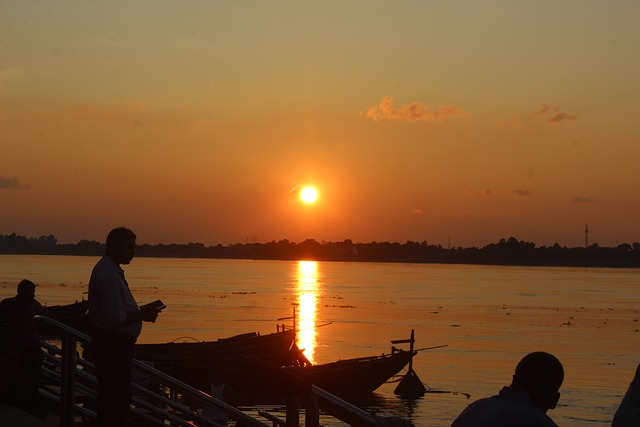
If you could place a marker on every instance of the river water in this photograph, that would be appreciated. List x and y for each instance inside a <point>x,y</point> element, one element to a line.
<point>486,317</point>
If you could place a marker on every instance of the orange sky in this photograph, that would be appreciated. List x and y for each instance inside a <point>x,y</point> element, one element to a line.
<point>440,121</point>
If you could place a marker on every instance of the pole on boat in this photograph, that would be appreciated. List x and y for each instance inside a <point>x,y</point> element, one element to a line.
<point>410,386</point>
<point>283,327</point>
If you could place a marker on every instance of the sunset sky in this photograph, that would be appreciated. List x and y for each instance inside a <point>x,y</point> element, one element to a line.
<point>451,122</point>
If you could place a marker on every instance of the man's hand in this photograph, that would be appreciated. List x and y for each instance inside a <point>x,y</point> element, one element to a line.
<point>149,315</point>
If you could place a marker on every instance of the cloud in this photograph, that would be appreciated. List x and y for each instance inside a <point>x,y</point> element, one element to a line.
<point>479,192</point>
<point>542,110</point>
<point>498,192</point>
<point>553,114</point>
<point>414,111</point>
<point>11,184</point>
<point>561,117</point>
<point>580,200</point>
<point>521,192</point>
<point>417,211</point>
<point>296,189</point>
<point>550,114</point>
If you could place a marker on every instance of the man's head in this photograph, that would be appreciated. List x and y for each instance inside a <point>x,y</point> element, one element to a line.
<point>121,245</point>
<point>540,374</point>
<point>26,290</point>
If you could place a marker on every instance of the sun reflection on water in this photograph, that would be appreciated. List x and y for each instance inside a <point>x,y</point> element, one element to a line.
<point>306,277</point>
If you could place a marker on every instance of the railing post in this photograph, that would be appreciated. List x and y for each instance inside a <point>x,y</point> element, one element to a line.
<point>312,413</point>
<point>293,411</point>
<point>67,387</point>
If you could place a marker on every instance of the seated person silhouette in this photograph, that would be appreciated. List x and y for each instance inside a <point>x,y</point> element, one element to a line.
<point>23,340</point>
<point>533,391</point>
<point>628,413</point>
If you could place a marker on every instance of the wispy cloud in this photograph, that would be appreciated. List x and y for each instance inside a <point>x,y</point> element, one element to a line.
<point>521,192</point>
<point>498,192</point>
<point>479,192</point>
<point>561,117</point>
<point>553,115</point>
<point>549,114</point>
<point>296,189</point>
<point>414,111</point>
<point>11,184</point>
<point>580,200</point>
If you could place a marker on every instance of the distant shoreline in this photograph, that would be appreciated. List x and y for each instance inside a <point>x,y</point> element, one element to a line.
<point>508,252</point>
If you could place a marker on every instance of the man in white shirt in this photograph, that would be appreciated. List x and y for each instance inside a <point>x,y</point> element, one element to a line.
<point>117,323</point>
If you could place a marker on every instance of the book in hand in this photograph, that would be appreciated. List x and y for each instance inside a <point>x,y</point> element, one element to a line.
<point>156,305</point>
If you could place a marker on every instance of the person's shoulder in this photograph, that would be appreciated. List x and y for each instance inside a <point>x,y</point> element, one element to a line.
<point>7,302</point>
<point>41,309</point>
<point>500,412</point>
<point>103,262</point>
<point>104,267</point>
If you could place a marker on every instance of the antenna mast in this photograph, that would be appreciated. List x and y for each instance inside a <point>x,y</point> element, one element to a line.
<point>586,236</point>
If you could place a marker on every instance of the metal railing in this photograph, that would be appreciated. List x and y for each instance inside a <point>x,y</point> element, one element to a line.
<point>68,380</point>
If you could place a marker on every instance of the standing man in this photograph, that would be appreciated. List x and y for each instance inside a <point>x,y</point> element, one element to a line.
<point>533,391</point>
<point>117,323</point>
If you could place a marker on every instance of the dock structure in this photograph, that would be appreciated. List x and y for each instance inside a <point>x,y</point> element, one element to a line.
<point>69,386</point>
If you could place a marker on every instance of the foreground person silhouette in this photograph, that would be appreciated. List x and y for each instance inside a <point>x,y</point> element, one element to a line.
<point>117,323</point>
<point>628,413</point>
<point>533,391</point>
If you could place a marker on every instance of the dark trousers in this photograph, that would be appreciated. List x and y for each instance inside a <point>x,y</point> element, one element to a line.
<point>30,367</point>
<point>113,352</point>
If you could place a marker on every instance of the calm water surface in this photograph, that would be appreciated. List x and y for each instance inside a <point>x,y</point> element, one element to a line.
<point>487,316</point>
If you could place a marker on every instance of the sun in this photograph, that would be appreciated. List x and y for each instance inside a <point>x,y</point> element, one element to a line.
<point>308,195</point>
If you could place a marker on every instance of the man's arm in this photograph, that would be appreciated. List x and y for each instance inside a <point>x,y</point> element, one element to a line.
<point>141,316</point>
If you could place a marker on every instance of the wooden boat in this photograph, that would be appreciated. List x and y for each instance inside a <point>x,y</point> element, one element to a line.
<point>277,348</point>
<point>249,360</point>
<point>254,375</point>
<point>74,315</point>
<point>361,375</point>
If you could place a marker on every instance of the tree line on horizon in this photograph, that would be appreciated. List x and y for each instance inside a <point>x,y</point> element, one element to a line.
<point>509,251</point>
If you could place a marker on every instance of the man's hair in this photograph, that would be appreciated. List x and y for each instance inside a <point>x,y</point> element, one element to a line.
<point>540,373</point>
<point>118,236</point>
<point>26,285</point>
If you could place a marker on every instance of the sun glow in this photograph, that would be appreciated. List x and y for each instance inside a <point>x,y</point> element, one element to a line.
<point>308,195</point>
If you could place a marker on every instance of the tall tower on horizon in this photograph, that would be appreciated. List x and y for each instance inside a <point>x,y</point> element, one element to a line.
<point>586,236</point>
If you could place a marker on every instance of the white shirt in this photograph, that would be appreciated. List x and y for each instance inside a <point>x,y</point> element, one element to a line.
<point>110,299</point>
